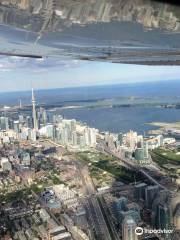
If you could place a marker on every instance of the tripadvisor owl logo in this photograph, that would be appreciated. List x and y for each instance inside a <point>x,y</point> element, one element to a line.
<point>139,231</point>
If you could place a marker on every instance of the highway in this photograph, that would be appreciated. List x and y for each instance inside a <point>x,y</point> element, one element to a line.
<point>98,224</point>
<point>109,218</point>
<point>92,205</point>
<point>130,164</point>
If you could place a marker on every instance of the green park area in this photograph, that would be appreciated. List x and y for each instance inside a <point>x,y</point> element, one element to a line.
<point>15,196</point>
<point>51,179</point>
<point>164,156</point>
<point>108,164</point>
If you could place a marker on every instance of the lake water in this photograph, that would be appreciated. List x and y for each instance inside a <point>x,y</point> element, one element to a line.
<point>107,118</point>
<point>123,119</point>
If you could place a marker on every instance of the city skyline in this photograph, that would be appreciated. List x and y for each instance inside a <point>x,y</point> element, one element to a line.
<point>89,120</point>
<point>120,158</point>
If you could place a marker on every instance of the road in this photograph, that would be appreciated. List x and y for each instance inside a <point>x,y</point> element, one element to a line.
<point>98,223</point>
<point>92,205</point>
<point>109,218</point>
<point>136,167</point>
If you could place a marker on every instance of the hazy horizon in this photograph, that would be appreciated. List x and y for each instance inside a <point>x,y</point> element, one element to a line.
<point>94,86</point>
<point>166,92</point>
<point>20,74</point>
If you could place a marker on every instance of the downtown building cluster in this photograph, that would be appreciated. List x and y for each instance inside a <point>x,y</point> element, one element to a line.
<point>70,133</point>
<point>47,124</point>
<point>32,165</point>
<point>135,147</point>
<point>162,205</point>
<point>130,146</point>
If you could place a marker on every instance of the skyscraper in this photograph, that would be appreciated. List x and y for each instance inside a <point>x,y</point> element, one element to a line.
<point>4,123</point>
<point>150,194</point>
<point>161,214</point>
<point>35,124</point>
<point>20,104</point>
<point>128,229</point>
<point>140,191</point>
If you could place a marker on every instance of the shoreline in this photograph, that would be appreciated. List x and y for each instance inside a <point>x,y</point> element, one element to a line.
<point>162,126</point>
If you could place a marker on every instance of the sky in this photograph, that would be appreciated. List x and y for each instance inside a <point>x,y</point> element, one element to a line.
<point>20,74</point>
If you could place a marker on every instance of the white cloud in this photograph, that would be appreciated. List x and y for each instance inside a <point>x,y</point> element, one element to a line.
<point>5,70</point>
<point>37,65</point>
<point>18,73</point>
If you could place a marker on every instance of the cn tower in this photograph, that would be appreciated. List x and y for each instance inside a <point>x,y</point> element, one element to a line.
<point>35,124</point>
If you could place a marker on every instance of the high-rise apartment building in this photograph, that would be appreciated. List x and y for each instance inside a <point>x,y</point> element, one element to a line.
<point>128,229</point>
